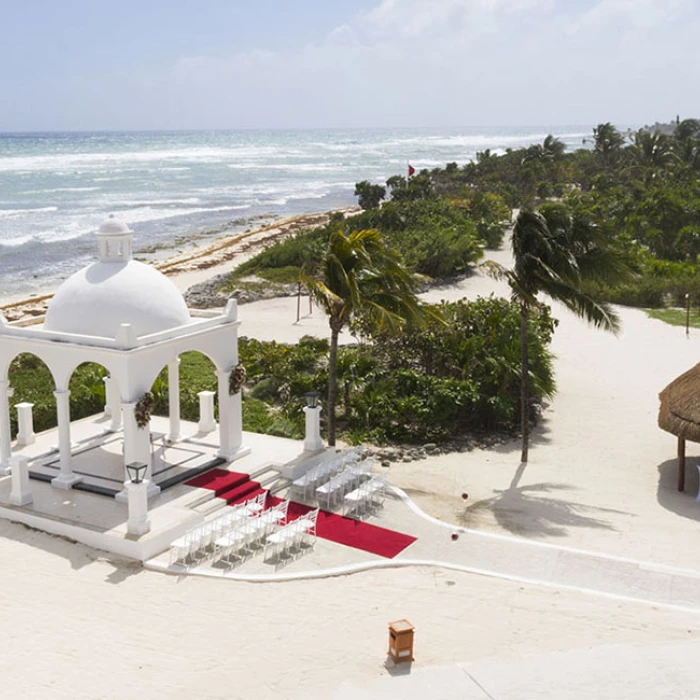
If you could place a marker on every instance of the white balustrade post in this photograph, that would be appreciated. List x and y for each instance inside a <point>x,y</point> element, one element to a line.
<point>107,381</point>
<point>207,424</point>
<point>137,505</point>
<point>5,434</point>
<point>312,438</point>
<point>25,422</point>
<point>66,478</point>
<point>21,494</point>
<point>174,399</point>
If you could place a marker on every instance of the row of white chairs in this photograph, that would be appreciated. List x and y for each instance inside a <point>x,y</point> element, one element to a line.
<point>293,537</point>
<point>307,484</point>
<point>198,543</point>
<point>249,534</point>
<point>369,495</point>
<point>331,493</point>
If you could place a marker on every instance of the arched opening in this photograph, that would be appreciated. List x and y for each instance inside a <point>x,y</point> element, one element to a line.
<point>32,383</point>
<point>87,390</point>
<point>183,425</point>
<point>197,373</point>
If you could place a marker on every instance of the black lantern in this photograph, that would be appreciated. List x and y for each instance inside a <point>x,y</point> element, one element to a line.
<point>136,471</point>
<point>311,398</point>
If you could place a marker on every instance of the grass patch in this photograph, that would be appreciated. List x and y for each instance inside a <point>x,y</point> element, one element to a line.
<point>280,275</point>
<point>675,317</point>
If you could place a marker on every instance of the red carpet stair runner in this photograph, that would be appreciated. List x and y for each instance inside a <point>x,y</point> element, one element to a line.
<point>234,487</point>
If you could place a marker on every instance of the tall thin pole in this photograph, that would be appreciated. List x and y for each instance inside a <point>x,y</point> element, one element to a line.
<point>687,315</point>
<point>298,302</point>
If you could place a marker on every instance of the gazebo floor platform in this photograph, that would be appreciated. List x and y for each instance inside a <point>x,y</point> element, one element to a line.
<point>86,515</point>
<point>97,457</point>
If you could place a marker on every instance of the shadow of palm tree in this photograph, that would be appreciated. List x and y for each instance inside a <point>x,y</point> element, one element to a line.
<point>531,511</point>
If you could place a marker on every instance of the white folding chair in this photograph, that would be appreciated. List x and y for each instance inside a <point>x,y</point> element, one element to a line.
<point>307,527</point>
<point>280,541</point>
<point>180,549</point>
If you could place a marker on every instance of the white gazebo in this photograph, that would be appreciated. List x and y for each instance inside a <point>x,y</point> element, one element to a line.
<point>131,319</point>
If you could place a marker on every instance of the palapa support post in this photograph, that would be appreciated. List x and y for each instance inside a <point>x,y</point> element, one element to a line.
<point>681,463</point>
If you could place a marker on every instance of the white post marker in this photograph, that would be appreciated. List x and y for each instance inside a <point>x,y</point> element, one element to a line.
<point>138,522</point>
<point>207,424</point>
<point>21,494</point>
<point>25,422</point>
<point>312,439</point>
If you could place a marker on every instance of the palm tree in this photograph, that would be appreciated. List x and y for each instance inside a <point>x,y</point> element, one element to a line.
<point>359,276</point>
<point>651,150</point>
<point>553,147</point>
<point>549,150</point>
<point>687,129</point>
<point>608,142</point>
<point>554,253</point>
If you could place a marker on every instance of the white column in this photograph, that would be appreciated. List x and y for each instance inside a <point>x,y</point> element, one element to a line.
<point>137,448</point>
<point>137,504</point>
<point>207,424</point>
<point>5,434</point>
<point>112,407</point>
<point>230,420</point>
<point>66,478</point>
<point>21,494</point>
<point>25,421</point>
<point>174,399</point>
<point>312,439</point>
<point>131,453</point>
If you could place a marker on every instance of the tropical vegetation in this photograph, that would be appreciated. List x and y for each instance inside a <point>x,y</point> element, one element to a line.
<point>615,221</point>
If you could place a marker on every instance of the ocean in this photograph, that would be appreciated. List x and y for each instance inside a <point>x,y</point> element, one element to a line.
<point>173,187</point>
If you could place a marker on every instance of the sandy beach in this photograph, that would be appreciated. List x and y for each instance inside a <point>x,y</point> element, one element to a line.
<point>601,477</point>
<point>198,262</point>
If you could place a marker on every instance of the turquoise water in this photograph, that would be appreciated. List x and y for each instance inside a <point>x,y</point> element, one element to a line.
<point>56,188</point>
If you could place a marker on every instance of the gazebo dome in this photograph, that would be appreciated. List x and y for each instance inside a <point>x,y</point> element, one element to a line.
<point>98,299</point>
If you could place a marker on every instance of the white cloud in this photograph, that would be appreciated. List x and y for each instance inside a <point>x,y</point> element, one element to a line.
<point>461,62</point>
<point>634,14</point>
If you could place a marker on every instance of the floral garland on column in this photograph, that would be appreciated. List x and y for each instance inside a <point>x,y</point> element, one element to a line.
<point>236,379</point>
<point>143,409</point>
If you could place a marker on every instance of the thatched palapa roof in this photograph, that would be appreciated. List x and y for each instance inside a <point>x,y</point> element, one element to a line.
<point>679,412</point>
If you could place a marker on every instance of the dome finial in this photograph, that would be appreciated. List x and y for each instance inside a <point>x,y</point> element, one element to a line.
<point>114,238</point>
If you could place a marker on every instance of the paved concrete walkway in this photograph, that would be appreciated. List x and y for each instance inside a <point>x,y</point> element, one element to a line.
<point>650,672</point>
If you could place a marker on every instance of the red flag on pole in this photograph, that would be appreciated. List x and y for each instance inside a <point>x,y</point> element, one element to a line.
<point>411,170</point>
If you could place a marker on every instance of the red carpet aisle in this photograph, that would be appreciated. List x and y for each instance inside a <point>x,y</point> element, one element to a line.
<point>235,487</point>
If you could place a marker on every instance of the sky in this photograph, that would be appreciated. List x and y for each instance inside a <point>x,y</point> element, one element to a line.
<point>228,64</point>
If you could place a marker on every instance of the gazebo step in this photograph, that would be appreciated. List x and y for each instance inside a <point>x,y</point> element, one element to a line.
<point>80,486</point>
<point>209,506</point>
<point>241,492</point>
<point>190,473</point>
<point>280,484</point>
<point>94,488</point>
<point>218,480</point>
<point>39,476</point>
